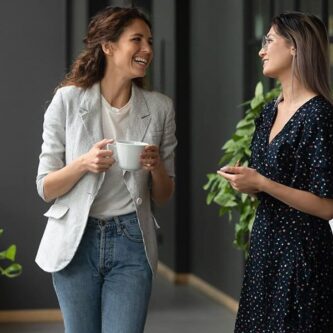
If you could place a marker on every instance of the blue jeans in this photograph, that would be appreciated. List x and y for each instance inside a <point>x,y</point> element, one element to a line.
<point>107,286</point>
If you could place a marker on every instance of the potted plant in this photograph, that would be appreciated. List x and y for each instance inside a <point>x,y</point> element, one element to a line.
<point>237,150</point>
<point>11,269</point>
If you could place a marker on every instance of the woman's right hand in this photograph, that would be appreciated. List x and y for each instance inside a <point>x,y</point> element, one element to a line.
<point>98,159</point>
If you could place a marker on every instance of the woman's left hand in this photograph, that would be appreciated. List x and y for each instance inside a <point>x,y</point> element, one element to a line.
<point>242,179</point>
<point>150,158</point>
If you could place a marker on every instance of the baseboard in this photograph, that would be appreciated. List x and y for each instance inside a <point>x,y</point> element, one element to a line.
<point>214,293</point>
<point>171,276</point>
<point>30,316</point>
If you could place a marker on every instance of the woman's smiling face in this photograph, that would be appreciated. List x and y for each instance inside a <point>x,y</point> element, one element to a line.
<point>131,55</point>
<point>276,54</point>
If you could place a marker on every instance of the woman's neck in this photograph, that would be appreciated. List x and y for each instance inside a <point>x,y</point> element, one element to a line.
<point>294,93</point>
<point>116,91</point>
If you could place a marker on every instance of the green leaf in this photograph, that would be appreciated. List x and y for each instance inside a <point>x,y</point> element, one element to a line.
<point>245,122</point>
<point>11,252</point>
<point>228,144</point>
<point>211,179</point>
<point>257,101</point>
<point>224,199</point>
<point>259,89</point>
<point>12,271</point>
<point>245,103</point>
<point>241,236</point>
<point>244,197</point>
<point>210,198</point>
<point>251,220</point>
<point>224,210</point>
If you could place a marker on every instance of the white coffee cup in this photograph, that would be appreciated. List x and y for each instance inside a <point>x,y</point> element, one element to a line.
<point>128,154</point>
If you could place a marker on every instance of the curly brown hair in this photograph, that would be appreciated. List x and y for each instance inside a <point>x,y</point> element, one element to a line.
<point>107,25</point>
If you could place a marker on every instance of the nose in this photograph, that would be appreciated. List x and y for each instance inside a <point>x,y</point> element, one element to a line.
<point>146,47</point>
<point>262,52</point>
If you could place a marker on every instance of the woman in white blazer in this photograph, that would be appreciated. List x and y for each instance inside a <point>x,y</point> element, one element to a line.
<point>99,242</point>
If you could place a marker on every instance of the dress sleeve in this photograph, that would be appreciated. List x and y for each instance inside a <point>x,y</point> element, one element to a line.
<point>315,154</point>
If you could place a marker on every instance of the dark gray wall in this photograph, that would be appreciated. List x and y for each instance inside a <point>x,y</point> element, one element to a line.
<point>216,75</point>
<point>32,62</point>
<point>78,26</point>
<point>216,80</point>
<point>163,24</point>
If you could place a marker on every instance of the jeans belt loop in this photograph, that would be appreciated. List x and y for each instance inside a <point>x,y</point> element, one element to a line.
<point>118,225</point>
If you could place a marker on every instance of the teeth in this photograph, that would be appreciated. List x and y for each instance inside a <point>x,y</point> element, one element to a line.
<point>141,60</point>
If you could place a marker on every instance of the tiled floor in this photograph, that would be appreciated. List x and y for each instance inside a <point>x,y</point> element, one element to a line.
<point>173,309</point>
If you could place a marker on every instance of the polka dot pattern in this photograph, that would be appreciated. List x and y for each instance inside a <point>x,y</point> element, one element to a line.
<point>288,281</point>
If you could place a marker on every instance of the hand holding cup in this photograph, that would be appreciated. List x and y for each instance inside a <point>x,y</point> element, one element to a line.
<point>99,159</point>
<point>150,158</point>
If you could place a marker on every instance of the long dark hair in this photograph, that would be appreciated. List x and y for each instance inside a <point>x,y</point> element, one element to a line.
<point>107,25</point>
<point>307,33</point>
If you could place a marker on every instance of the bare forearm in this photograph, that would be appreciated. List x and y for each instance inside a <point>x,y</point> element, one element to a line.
<point>60,182</point>
<point>162,185</point>
<point>298,199</point>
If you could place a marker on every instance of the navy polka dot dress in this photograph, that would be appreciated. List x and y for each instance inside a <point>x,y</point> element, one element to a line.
<point>288,282</point>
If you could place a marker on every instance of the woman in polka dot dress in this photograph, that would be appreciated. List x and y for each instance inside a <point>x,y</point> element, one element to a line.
<point>288,282</point>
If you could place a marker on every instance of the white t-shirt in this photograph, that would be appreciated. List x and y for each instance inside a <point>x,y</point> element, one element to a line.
<point>113,198</point>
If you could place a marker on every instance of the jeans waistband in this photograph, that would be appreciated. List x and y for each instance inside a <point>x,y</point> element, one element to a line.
<point>110,220</point>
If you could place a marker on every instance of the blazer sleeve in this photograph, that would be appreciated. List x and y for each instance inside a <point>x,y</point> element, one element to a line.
<point>52,155</point>
<point>169,142</point>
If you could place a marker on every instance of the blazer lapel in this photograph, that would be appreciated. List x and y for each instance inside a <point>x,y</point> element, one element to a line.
<point>91,115</point>
<point>139,118</point>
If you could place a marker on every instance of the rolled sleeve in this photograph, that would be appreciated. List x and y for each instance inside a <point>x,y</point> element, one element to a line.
<point>52,155</point>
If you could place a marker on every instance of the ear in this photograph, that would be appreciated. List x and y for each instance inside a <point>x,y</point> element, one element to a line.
<point>293,51</point>
<point>107,48</point>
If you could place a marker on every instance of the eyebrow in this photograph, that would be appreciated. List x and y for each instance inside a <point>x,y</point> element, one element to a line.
<point>140,35</point>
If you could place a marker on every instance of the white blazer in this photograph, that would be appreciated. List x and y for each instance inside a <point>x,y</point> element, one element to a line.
<point>72,125</point>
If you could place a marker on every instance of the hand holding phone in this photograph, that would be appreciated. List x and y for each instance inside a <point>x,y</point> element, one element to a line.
<point>226,169</point>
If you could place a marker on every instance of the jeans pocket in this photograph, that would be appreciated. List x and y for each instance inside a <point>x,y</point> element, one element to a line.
<point>132,230</point>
